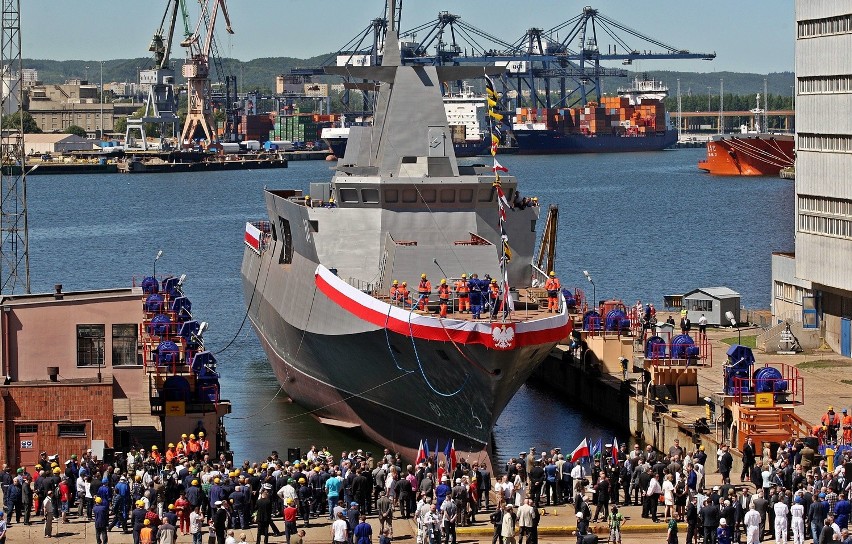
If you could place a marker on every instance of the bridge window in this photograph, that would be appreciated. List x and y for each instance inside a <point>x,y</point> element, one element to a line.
<point>409,196</point>
<point>370,196</point>
<point>349,195</point>
<point>286,256</point>
<point>485,195</point>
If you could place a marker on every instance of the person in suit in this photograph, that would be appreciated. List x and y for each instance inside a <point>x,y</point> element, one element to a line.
<point>749,456</point>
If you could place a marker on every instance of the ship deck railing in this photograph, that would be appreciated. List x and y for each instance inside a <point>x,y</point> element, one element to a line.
<point>528,307</point>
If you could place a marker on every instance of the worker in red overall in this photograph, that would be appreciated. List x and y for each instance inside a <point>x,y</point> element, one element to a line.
<point>463,294</point>
<point>423,292</point>
<point>494,296</point>
<point>846,423</point>
<point>831,420</point>
<point>552,287</point>
<point>444,297</point>
<point>403,294</point>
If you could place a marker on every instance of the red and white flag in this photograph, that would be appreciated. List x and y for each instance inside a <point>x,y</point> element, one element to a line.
<point>421,454</point>
<point>498,167</point>
<point>252,237</point>
<point>580,451</point>
<point>453,461</point>
<point>614,451</point>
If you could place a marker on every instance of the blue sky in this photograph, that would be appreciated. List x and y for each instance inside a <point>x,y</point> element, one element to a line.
<point>751,36</point>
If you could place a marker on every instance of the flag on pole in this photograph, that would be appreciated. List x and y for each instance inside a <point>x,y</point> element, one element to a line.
<point>453,461</point>
<point>447,457</point>
<point>421,454</point>
<point>598,449</point>
<point>580,451</point>
<point>614,451</point>
<point>498,167</point>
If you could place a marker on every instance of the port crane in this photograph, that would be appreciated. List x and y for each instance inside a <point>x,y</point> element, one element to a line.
<point>161,103</point>
<point>196,70</point>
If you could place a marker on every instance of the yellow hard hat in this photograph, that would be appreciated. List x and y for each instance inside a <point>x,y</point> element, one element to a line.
<point>56,470</point>
<point>831,408</point>
<point>423,276</point>
<point>824,428</point>
<point>171,507</point>
<point>331,200</point>
<point>140,502</point>
<point>194,482</point>
<point>251,471</point>
<point>493,281</point>
<point>192,437</point>
<point>443,281</point>
<point>395,282</point>
<point>464,276</point>
<point>405,283</point>
<point>201,434</point>
<point>154,447</point>
<point>216,480</point>
<point>302,480</point>
<point>264,465</point>
<point>552,273</point>
<point>146,522</point>
<point>98,500</point>
<point>171,445</point>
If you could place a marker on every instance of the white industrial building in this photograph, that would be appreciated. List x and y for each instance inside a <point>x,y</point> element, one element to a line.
<point>824,169</point>
<point>40,144</point>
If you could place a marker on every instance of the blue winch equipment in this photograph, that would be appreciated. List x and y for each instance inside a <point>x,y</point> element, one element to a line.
<point>171,287</point>
<point>769,380</point>
<point>189,333</point>
<point>154,303</point>
<point>617,320</point>
<point>738,370</point>
<point>182,308</point>
<point>160,325</point>
<point>150,285</point>
<point>167,353</point>
<point>591,321</point>
<point>570,301</point>
<point>683,347</point>
<point>655,348</point>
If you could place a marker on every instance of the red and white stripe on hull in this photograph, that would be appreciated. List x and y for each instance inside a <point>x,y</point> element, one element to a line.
<point>497,335</point>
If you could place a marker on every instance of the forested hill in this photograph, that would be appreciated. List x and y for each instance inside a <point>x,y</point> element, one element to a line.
<point>260,74</point>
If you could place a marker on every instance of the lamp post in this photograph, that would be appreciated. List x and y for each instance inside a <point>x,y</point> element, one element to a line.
<point>157,258</point>
<point>102,101</point>
<point>594,287</point>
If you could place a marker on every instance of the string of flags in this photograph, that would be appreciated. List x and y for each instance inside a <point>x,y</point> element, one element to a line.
<point>586,451</point>
<point>449,453</point>
<point>494,122</point>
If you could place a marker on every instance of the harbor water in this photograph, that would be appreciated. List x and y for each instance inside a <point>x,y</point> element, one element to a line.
<point>643,224</point>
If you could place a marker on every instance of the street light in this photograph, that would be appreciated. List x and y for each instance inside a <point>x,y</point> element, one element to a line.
<point>157,258</point>
<point>594,287</point>
<point>729,315</point>
<point>102,101</point>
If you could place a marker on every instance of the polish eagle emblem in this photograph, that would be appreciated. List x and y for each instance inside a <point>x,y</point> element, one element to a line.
<point>503,335</point>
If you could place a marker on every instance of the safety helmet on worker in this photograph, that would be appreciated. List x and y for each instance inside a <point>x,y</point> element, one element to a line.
<point>552,273</point>
<point>443,281</point>
<point>464,276</point>
<point>423,276</point>
<point>396,282</point>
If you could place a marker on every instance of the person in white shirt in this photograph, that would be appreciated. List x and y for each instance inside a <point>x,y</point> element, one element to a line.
<point>781,512</point>
<point>752,524</point>
<point>230,539</point>
<point>797,511</point>
<point>653,495</point>
<point>702,326</point>
<point>339,529</point>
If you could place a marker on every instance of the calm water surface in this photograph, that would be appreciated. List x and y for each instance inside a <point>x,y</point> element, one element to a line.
<point>644,225</point>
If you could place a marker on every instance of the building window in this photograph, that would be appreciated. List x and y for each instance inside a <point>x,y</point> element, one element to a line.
<point>825,84</point>
<point>22,429</point>
<point>90,345</point>
<point>72,430</point>
<point>124,345</point>
<point>701,305</point>
<point>841,24</point>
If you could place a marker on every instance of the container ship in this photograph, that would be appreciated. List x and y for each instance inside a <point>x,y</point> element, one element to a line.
<point>635,120</point>
<point>316,276</point>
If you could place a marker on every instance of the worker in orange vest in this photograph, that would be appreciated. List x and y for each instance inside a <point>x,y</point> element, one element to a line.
<point>423,292</point>
<point>831,420</point>
<point>155,455</point>
<point>402,294</point>
<point>846,424</point>
<point>463,294</point>
<point>183,445</point>
<point>494,296</point>
<point>193,447</point>
<point>394,292</point>
<point>203,444</point>
<point>444,296</point>
<point>552,287</point>
<point>171,453</point>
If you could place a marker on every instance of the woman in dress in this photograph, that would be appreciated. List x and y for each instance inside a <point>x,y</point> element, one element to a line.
<point>668,495</point>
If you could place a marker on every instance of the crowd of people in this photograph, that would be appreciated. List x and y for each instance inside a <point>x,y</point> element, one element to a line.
<point>786,493</point>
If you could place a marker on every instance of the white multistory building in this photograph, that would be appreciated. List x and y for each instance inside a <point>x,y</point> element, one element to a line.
<point>823,223</point>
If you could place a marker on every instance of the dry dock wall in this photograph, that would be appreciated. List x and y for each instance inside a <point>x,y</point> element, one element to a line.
<point>607,399</point>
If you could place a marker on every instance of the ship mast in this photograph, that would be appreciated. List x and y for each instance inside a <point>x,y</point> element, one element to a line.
<point>502,202</point>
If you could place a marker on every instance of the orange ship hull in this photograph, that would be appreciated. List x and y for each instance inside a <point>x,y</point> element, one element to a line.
<point>749,154</point>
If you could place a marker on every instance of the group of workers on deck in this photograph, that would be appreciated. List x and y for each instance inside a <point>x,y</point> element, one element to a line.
<point>474,295</point>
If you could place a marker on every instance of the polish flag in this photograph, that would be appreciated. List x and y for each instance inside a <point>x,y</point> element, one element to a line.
<point>498,167</point>
<point>614,451</point>
<point>453,461</point>
<point>580,451</point>
<point>252,237</point>
<point>421,454</point>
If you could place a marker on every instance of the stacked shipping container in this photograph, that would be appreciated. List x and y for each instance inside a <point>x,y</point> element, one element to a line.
<point>614,115</point>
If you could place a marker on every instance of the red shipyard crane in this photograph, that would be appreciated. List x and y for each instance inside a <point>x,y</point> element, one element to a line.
<point>196,71</point>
